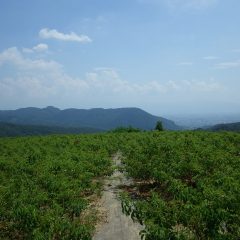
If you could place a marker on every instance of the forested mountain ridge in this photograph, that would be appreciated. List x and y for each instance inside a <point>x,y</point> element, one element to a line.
<point>14,130</point>
<point>235,127</point>
<point>99,118</point>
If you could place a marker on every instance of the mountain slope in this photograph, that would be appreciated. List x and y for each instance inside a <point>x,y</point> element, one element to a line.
<point>13,130</point>
<point>235,127</point>
<point>94,118</point>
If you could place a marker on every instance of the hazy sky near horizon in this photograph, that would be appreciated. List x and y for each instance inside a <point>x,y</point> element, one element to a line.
<point>165,56</point>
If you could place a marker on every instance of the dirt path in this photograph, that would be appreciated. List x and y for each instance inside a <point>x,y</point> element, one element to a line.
<point>117,226</point>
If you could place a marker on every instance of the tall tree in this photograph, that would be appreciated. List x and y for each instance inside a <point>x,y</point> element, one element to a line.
<point>159,126</point>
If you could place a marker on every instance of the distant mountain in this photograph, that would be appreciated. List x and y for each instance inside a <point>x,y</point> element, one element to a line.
<point>235,127</point>
<point>193,121</point>
<point>98,118</point>
<point>13,130</point>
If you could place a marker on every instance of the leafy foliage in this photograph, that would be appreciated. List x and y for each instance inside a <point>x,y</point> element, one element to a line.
<point>187,183</point>
<point>46,184</point>
<point>159,126</point>
<point>193,181</point>
<point>125,130</point>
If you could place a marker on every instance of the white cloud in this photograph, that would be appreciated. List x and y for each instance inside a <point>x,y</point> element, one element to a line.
<point>45,81</point>
<point>228,65</point>
<point>202,86</point>
<point>27,50</point>
<point>42,47</point>
<point>15,58</point>
<point>210,58</point>
<point>46,33</point>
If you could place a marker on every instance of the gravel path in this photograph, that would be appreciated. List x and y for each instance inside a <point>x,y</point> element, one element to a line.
<point>117,225</point>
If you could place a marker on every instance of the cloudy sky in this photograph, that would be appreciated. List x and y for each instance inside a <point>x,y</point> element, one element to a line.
<point>165,56</point>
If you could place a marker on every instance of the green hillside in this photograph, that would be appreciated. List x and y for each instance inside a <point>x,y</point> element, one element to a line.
<point>97,118</point>
<point>14,130</point>
<point>185,184</point>
<point>234,127</point>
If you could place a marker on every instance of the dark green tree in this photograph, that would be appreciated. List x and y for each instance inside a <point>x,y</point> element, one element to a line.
<point>159,126</point>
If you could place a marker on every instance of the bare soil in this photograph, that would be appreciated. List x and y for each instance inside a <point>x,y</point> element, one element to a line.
<point>115,225</point>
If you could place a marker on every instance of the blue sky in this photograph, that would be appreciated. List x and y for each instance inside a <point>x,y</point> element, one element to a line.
<point>165,56</point>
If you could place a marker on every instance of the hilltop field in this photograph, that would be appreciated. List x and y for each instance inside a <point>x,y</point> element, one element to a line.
<point>185,185</point>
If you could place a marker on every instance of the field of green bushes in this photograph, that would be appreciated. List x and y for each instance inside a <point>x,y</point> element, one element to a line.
<point>47,183</point>
<point>187,184</point>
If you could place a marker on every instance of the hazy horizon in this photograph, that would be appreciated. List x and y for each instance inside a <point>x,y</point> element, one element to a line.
<point>164,56</point>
